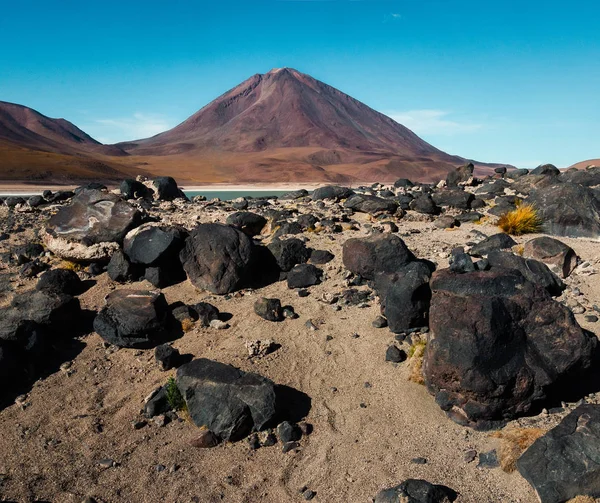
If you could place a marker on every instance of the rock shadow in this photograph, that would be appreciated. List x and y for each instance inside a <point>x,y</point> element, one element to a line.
<point>291,404</point>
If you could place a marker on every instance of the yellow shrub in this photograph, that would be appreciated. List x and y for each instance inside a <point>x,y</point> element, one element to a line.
<point>513,443</point>
<point>522,220</point>
<point>416,353</point>
<point>71,266</point>
<point>582,499</point>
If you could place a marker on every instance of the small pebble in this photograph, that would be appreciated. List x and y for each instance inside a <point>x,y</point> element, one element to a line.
<point>419,461</point>
<point>470,456</point>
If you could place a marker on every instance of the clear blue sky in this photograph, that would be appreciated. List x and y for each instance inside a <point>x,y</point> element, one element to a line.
<point>506,81</point>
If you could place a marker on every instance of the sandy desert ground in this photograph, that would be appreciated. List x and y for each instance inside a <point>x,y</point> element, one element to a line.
<point>369,420</point>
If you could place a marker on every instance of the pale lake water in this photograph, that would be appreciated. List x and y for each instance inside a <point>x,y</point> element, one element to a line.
<point>228,195</point>
<point>223,195</point>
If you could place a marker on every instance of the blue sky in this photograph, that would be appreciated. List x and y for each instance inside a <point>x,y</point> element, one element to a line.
<point>515,82</point>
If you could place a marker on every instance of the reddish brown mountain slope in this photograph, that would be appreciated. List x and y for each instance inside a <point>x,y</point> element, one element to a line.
<point>36,148</point>
<point>28,128</point>
<point>585,164</point>
<point>285,125</point>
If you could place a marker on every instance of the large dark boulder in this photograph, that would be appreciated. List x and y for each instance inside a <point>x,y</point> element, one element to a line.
<point>370,204</point>
<point>121,270</point>
<point>217,258</point>
<point>331,192</point>
<point>289,252</point>
<point>405,296</point>
<point>565,462</point>
<point>460,175</point>
<point>532,270</point>
<point>589,177</point>
<point>156,248</point>
<point>59,281</point>
<point>91,227</point>
<point>416,491</point>
<point>132,189</point>
<point>133,319</point>
<point>424,204</point>
<point>378,253</point>
<point>229,402</point>
<point>546,169</point>
<point>495,242</point>
<point>58,311</point>
<point>454,198</point>
<point>94,217</point>
<point>561,258</point>
<point>167,189</point>
<point>249,223</point>
<point>303,276</point>
<point>567,209</point>
<point>497,344</point>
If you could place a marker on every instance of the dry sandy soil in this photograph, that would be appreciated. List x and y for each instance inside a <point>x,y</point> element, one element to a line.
<point>369,420</point>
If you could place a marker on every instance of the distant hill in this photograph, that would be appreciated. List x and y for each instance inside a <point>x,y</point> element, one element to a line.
<point>585,164</point>
<point>34,147</point>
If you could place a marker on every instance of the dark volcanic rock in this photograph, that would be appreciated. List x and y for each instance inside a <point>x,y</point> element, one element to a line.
<point>546,169</point>
<point>217,258</point>
<point>289,252</point>
<point>370,204</point>
<point>416,491</point>
<point>565,462</point>
<point>403,182</point>
<point>460,175</point>
<point>229,402</point>
<point>152,245</point>
<point>560,257</point>
<point>206,313</point>
<point>167,189</point>
<point>249,223</point>
<point>132,189</point>
<point>121,270</point>
<point>59,281</point>
<point>304,275</point>
<point>331,192</point>
<point>269,309</point>
<point>567,209</point>
<point>94,217</point>
<point>133,319</point>
<point>405,296</point>
<point>321,257</point>
<point>500,241</point>
<point>166,356</point>
<point>497,343</point>
<point>379,253</point>
<point>534,271</point>
<point>454,198</point>
<point>424,204</point>
<point>460,262</point>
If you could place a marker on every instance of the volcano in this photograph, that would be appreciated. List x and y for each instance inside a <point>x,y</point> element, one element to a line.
<point>287,126</point>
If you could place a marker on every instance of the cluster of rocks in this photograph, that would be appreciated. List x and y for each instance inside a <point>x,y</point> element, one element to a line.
<point>498,343</point>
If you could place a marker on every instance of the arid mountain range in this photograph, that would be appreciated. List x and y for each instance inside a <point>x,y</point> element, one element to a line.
<point>282,126</point>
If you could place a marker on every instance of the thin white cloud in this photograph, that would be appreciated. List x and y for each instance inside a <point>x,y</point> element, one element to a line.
<point>139,125</point>
<point>392,16</point>
<point>433,122</point>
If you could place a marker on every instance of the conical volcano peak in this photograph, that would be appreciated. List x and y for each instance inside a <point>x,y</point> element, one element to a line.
<point>287,120</point>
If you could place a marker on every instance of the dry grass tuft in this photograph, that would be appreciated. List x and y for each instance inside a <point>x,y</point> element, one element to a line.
<point>513,443</point>
<point>582,499</point>
<point>522,220</point>
<point>71,266</point>
<point>187,324</point>
<point>416,353</point>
